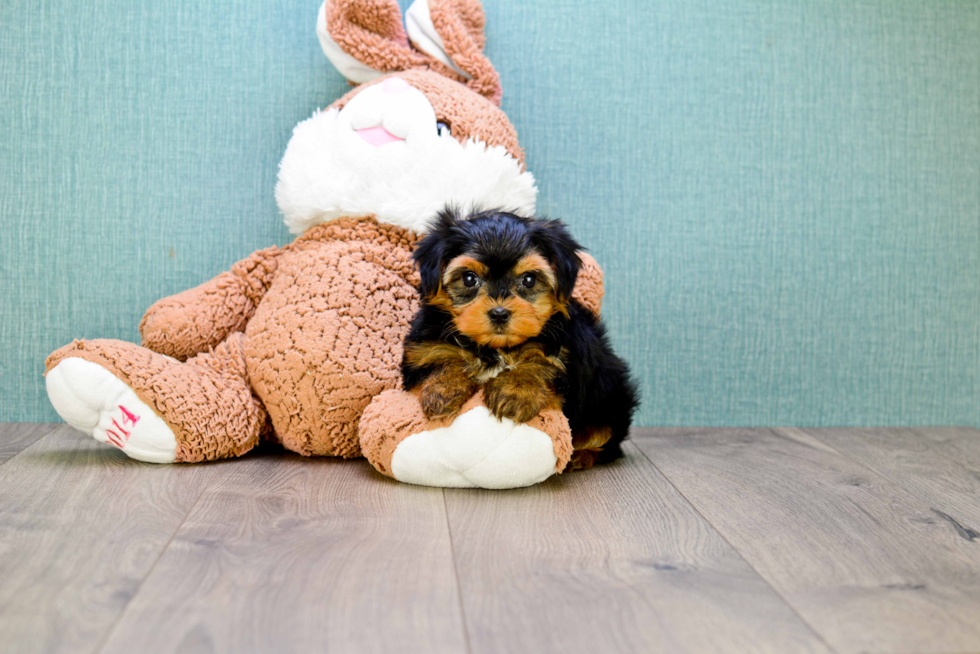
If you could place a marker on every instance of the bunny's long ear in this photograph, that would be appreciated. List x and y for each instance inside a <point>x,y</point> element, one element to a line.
<point>364,39</point>
<point>451,31</point>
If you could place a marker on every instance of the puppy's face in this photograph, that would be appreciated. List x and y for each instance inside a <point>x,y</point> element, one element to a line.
<point>501,277</point>
<point>497,304</point>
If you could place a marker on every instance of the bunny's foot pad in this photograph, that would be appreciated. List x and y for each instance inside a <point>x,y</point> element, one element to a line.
<point>471,450</point>
<point>96,402</point>
<point>197,410</point>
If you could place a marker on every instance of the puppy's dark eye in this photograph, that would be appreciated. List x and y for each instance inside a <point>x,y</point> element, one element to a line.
<point>442,129</point>
<point>529,280</point>
<point>470,279</point>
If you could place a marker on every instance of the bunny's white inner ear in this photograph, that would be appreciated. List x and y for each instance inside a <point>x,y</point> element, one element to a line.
<point>423,34</point>
<point>347,65</point>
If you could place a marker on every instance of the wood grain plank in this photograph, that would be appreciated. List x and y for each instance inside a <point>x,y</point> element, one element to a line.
<point>302,555</point>
<point>960,443</point>
<point>15,437</point>
<point>80,527</point>
<point>916,463</point>
<point>609,560</point>
<point>865,562</point>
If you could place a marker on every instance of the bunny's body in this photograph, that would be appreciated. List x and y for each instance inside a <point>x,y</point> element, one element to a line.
<point>293,344</point>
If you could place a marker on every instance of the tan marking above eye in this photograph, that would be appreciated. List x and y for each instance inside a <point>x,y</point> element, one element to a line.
<point>463,262</point>
<point>537,264</point>
<point>533,261</point>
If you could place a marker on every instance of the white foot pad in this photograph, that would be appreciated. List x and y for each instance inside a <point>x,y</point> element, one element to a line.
<point>94,401</point>
<point>476,451</point>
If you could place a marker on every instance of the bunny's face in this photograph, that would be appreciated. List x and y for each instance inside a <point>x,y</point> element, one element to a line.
<point>402,145</point>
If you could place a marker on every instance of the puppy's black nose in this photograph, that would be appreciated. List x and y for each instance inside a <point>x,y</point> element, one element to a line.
<point>499,315</point>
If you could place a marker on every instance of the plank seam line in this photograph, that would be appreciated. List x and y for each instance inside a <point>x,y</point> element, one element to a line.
<point>786,602</point>
<point>115,623</point>
<point>459,590</point>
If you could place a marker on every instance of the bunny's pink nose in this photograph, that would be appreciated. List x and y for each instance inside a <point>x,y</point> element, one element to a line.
<point>395,85</point>
<point>378,136</point>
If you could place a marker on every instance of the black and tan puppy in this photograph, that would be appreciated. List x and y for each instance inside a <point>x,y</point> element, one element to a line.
<point>497,312</point>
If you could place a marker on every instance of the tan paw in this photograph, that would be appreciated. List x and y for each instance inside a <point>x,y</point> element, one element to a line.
<point>518,399</point>
<point>439,401</point>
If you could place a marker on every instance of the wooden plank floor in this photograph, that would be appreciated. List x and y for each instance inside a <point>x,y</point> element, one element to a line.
<point>699,540</point>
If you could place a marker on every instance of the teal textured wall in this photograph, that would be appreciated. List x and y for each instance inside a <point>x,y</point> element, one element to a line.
<point>785,195</point>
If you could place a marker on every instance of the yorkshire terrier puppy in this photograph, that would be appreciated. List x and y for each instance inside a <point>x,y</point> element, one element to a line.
<point>497,312</point>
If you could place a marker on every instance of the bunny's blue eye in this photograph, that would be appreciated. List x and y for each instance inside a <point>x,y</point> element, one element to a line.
<point>442,129</point>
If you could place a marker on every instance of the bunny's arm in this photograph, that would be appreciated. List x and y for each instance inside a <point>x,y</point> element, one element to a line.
<point>200,318</point>
<point>589,287</point>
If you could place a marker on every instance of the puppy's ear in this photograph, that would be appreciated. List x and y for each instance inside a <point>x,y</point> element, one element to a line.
<point>553,240</point>
<point>431,251</point>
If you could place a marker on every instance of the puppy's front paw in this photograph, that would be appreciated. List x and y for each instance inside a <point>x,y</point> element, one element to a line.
<point>439,399</point>
<point>518,397</point>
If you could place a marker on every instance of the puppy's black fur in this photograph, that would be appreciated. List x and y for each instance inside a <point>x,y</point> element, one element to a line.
<point>591,383</point>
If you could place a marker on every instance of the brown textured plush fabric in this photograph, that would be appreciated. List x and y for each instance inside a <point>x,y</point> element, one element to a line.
<point>589,289</point>
<point>389,419</point>
<point>206,401</point>
<point>328,335</point>
<point>395,415</point>
<point>371,31</point>
<point>324,321</point>
<point>460,23</point>
<point>468,114</point>
<point>182,325</point>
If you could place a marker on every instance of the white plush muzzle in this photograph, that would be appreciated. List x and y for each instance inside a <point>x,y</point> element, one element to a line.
<point>382,155</point>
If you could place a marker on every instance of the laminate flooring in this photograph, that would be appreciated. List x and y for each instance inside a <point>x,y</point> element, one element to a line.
<point>698,540</point>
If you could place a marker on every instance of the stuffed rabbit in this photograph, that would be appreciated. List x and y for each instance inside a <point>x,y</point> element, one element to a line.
<point>302,344</point>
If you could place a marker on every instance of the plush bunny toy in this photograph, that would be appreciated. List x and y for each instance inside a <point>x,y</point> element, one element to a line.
<point>302,344</point>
